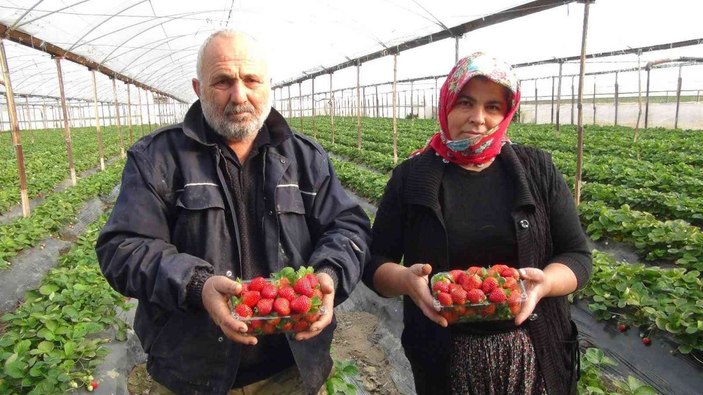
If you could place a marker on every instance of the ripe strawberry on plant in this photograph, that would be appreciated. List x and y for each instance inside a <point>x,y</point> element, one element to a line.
<point>622,327</point>
<point>646,341</point>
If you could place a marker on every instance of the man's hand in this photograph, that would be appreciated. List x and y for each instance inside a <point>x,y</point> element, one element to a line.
<point>327,288</point>
<point>217,291</point>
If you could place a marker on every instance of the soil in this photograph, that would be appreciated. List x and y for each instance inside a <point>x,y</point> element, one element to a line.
<point>353,341</point>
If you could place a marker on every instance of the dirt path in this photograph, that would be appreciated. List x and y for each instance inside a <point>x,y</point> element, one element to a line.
<point>353,341</point>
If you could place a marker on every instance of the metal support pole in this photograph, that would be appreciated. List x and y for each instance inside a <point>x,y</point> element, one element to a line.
<point>646,102</point>
<point>561,64</point>
<point>300,103</point>
<point>312,101</point>
<point>331,109</point>
<point>67,130</point>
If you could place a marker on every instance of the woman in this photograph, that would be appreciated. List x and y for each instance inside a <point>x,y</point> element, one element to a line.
<point>473,198</point>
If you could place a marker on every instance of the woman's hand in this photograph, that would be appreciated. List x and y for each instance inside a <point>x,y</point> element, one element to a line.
<point>555,280</point>
<point>535,287</point>
<point>415,283</point>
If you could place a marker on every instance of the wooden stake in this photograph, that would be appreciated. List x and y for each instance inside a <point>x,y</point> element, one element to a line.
<point>67,130</point>
<point>579,127</point>
<point>117,118</point>
<point>101,155</point>
<point>15,130</point>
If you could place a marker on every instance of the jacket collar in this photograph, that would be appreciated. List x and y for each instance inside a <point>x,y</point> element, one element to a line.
<point>195,127</point>
<point>425,177</point>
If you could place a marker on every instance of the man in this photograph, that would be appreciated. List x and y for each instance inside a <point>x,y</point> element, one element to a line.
<point>231,192</point>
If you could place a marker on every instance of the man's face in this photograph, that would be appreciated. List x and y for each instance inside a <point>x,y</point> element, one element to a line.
<point>234,90</point>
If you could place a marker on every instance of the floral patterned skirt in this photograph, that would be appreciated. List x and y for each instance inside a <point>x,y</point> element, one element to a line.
<point>495,364</point>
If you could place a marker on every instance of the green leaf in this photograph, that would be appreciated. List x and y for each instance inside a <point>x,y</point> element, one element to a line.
<point>48,289</point>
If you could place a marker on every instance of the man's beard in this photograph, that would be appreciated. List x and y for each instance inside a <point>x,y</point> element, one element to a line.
<point>234,130</point>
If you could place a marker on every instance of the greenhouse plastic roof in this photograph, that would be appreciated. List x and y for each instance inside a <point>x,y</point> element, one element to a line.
<point>155,42</point>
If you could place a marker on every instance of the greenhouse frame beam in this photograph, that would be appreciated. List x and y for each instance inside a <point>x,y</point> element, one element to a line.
<point>36,43</point>
<point>458,30</point>
<point>657,47</point>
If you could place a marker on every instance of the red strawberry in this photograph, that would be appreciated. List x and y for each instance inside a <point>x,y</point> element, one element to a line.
<point>314,282</point>
<point>497,296</point>
<point>444,299</point>
<point>459,296</point>
<point>471,281</point>
<point>301,304</point>
<point>269,291</point>
<point>456,275</point>
<point>646,341</point>
<point>303,287</point>
<point>317,293</point>
<point>499,267</point>
<point>510,283</point>
<point>264,306</point>
<point>287,326</point>
<point>301,326</point>
<point>257,284</point>
<point>287,292</point>
<point>283,282</point>
<point>441,286</point>
<point>281,306</point>
<point>475,270</point>
<point>243,311</point>
<point>622,327</point>
<point>250,298</point>
<point>476,296</point>
<point>489,284</point>
<point>510,272</point>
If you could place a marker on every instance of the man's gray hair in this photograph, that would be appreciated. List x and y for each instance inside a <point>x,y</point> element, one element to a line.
<point>219,33</point>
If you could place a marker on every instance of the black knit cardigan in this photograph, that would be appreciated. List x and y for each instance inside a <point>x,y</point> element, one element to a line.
<point>409,226</point>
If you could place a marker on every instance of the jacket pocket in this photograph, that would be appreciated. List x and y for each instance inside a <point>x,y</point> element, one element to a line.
<point>289,200</point>
<point>200,197</point>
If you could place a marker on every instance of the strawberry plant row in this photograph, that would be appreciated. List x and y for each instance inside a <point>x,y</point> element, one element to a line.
<point>46,165</point>
<point>366,183</point>
<point>649,297</point>
<point>673,241</point>
<point>49,344</point>
<point>57,210</point>
<point>663,205</point>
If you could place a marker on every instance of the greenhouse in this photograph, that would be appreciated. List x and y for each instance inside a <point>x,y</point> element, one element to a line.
<point>609,89</point>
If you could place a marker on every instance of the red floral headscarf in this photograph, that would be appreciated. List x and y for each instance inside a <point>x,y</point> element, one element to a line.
<point>487,147</point>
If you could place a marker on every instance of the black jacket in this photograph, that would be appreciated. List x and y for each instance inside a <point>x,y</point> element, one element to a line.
<point>175,214</point>
<point>409,225</point>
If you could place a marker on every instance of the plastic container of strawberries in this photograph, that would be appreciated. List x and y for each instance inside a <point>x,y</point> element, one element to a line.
<point>279,304</point>
<point>478,294</point>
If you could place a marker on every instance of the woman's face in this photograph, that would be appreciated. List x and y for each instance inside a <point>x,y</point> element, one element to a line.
<point>482,104</point>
